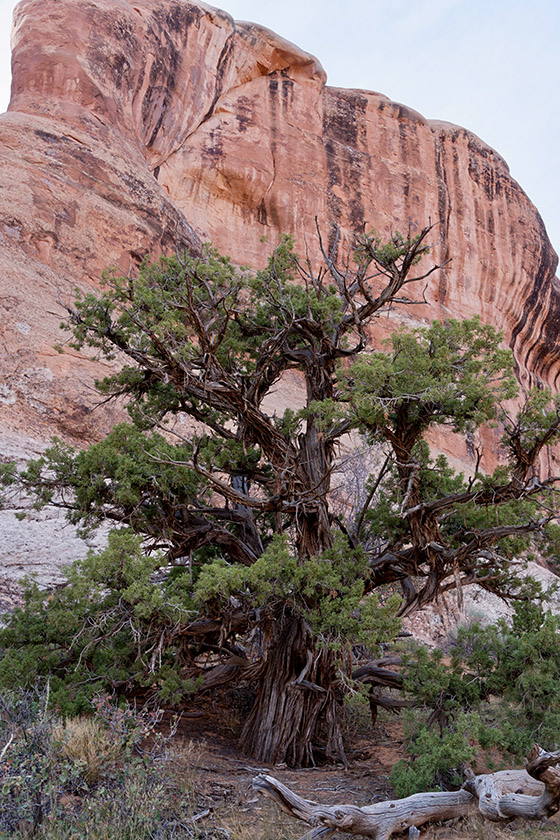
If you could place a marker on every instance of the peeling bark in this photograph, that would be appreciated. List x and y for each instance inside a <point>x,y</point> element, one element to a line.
<point>297,702</point>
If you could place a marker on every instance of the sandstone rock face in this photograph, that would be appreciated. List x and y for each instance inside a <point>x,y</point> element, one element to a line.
<point>140,126</point>
<point>134,126</point>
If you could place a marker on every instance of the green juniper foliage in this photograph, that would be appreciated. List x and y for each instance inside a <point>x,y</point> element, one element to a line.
<point>437,759</point>
<point>99,630</point>
<point>227,546</point>
<point>501,691</point>
<point>308,588</point>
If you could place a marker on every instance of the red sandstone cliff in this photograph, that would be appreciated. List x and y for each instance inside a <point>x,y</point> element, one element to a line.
<point>136,125</point>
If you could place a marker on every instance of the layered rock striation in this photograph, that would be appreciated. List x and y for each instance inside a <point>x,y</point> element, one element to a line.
<point>141,126</point>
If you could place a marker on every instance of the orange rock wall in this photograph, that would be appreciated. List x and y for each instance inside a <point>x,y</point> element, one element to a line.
<point>135,126</point>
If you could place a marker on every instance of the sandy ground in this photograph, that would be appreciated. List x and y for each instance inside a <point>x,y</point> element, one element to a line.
<point>222,781</point>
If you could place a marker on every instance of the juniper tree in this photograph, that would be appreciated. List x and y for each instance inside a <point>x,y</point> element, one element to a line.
<point>234,491</point>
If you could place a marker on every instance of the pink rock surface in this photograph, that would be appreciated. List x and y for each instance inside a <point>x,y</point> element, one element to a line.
<point>137,125</point>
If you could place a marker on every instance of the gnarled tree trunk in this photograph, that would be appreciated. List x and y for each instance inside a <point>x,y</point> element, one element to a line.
<point>297,715</point>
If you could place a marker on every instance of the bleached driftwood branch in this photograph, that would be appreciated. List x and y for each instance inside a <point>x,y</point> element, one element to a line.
<point>533,793</point>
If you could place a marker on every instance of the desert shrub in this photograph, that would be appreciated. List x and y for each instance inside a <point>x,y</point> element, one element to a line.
<point>98,746</point>
<point>437,759</point>
<point>84,778</point>
<point>500,690</point>
<point>31,776</point>
<point>140,807</point>
<point>520,665</point>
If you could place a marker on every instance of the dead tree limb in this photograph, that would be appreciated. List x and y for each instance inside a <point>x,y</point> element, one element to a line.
<point>378,821</point>
<point>532,794</point>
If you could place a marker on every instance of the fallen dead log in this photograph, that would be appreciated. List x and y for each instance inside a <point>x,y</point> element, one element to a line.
<point>533,793</point>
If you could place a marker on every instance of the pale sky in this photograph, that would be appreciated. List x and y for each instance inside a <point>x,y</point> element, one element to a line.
<point>492,66</point>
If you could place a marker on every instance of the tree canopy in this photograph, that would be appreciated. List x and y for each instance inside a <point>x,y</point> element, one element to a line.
<point>230,560</point>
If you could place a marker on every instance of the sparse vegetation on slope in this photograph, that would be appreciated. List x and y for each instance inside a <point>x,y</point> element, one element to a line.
<point>91,777</point>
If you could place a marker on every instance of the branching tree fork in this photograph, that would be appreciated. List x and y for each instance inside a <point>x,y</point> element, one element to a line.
<point>238,496</point>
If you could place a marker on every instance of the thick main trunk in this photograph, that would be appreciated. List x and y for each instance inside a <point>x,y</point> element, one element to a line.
<point>298,714</point>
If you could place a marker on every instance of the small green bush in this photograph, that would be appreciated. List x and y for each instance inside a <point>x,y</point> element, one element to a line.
<point>437,759</point>
<point>501,691</point>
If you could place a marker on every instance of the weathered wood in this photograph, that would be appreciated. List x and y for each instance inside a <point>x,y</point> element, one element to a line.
<point>297,691</point>
<point>533,794</point>
<point>497,792</point>
<point>378,821</point>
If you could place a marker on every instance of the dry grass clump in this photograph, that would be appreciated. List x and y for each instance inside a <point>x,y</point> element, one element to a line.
<point>89,746</point>
<point>268,824</point>
<point>183,759</point>
<point>111,776</point>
